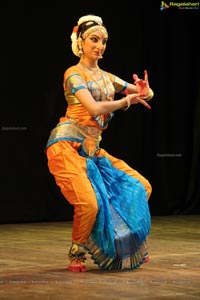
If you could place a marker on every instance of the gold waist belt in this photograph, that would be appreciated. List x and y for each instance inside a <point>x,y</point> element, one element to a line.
<point>87,135</point>
<point>90,132</point>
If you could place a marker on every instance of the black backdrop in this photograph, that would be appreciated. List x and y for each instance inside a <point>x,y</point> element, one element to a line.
<point>163,144</point>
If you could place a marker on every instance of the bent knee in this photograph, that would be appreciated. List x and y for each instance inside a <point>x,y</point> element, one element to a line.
<point>89,209</point>
<point>92,208</point>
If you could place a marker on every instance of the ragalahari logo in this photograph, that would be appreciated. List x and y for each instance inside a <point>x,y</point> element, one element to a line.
<point>164,5</point>
<point>179,5</point>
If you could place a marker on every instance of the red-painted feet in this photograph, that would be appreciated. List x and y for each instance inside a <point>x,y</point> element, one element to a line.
<point>76,266</point>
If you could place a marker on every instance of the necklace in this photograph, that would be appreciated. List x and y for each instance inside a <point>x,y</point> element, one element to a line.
<point>97,76</point>
<point>105,90</point>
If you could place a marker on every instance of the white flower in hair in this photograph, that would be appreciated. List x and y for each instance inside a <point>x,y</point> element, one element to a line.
<point>90,18</point>
<point>75,49</point>
<point>75,42</point>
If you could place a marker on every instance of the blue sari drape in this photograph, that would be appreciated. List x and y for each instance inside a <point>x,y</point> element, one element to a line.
<point>118,238</point>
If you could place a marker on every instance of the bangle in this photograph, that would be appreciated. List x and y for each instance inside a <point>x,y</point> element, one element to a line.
<point>125,107</point>
<point>151,94</point>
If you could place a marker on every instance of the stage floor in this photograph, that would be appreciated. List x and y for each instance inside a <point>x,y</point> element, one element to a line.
<point>33,264</point>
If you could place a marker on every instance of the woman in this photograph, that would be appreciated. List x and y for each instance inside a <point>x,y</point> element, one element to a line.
<point>111,216</point>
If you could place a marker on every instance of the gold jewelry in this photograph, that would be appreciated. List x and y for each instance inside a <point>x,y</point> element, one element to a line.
<point>96,74</point>
<point>125,107</point>
<point>80,52</point>
<point>92,29</point>
<point>151,94</point>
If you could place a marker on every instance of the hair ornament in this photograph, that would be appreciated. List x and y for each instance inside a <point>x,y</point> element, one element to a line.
<point>76,38</point>
<point>75,29</point>
<point>88,18</point>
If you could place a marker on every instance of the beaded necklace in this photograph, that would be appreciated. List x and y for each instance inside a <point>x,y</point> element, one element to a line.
<point>96,74</point>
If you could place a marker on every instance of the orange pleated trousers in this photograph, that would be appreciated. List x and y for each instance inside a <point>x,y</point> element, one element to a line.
<point>69,171</point>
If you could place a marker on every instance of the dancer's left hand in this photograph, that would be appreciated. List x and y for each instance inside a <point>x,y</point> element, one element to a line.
<point>142,85</point>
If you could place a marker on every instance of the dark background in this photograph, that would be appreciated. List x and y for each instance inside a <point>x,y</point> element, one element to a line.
<point>162,143</point>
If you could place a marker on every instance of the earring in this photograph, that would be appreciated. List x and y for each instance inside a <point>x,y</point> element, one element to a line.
<point>80,51</point>
<point>79,45</point>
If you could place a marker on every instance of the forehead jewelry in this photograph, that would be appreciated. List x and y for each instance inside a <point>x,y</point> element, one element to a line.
<point>92,29</point>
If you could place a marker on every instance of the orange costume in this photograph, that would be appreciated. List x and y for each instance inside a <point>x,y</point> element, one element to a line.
<point>111,216</point>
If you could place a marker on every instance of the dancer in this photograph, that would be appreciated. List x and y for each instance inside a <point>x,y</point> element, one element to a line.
<point>111,218</point>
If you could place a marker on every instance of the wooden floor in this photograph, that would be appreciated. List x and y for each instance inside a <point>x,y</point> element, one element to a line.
<point>33,264</point>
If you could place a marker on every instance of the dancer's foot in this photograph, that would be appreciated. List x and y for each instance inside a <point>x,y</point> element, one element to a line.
<point>76,266</point>
<point>147,258</point>
<point>77,256</point>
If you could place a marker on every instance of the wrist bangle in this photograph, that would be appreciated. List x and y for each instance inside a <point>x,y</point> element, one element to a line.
<point>125,107</point>
<point>151,94</point>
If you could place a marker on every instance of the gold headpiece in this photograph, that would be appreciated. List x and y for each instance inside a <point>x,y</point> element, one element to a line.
<point>86,25</point>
